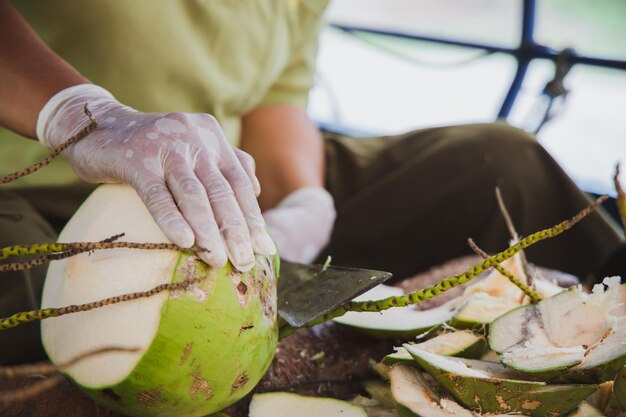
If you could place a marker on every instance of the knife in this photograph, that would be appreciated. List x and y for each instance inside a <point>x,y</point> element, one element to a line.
<point>306,292</point>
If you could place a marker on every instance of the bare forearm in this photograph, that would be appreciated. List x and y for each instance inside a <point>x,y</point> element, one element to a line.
<point>287,148</point>
<point>31,73</point>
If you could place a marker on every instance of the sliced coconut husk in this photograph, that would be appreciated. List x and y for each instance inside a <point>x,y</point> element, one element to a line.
<point>380,391</point>
<point>285,404</point>
<point>584,334</point>
<point>415,396</point>
<point>485,387</point>
<point>460,343</point>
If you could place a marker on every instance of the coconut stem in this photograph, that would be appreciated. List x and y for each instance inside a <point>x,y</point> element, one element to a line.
<point>30,391</point>
<point>19,266</point>
<point>52,248</point>
<point>46,368</point>
<point>36,315</point>
<point>57,251</point>
<point>534,297</point>
<point>514,235</point>
<point>55,152</point>
<point>453,281</point>
<point>621,197</point>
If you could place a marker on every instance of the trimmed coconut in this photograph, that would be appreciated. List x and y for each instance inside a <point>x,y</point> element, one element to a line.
<point>584,334</point>
<point>485,387</point>
<point>200,349</point>
<point>285,404</point>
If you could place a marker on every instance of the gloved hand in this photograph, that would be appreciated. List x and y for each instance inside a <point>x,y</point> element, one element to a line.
<point>198,188</point>
<point>301,223</point>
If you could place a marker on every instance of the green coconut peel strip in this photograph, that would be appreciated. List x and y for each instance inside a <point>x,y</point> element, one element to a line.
<point>55,152</point>
<point>365,306</point>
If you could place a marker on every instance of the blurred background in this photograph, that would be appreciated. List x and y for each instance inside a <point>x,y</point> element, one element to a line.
<point>372,83</point>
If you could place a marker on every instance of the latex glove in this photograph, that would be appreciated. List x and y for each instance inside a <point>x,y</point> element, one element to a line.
<point>198,188</point>
<point>301,224</point>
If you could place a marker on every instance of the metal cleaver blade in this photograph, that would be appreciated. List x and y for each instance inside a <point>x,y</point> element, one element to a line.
<point>306,292</point>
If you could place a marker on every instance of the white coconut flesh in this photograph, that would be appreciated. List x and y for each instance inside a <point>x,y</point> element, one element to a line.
<point>284,404</point>
<point>396,319</point>
<point>570,330</point>
<point>93,276</point>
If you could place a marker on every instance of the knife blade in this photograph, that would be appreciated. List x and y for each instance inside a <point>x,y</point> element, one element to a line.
<point>306,292</point>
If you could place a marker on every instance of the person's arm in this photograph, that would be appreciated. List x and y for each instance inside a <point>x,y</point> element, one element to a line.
<point>289,155</point>
<point>31,73</point>
<point>287,148</point>
<point>197,187</point>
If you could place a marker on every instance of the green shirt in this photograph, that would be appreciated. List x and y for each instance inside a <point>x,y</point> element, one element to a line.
<point>223,57</point>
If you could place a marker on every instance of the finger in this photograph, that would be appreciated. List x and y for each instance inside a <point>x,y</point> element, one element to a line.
<point>231,222</point>
<point>248,164</point>
<point>193,202</point>
<point>158,199</point>
<point>240,183</point>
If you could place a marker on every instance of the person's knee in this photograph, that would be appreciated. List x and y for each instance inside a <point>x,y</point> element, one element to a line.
<point>506,150</point>
<point>494,137</point>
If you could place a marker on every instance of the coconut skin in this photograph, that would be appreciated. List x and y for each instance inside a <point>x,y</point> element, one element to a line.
<point>199,349</point>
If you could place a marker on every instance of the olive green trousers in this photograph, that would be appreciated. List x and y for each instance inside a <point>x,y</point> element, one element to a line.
<point>404,203</point>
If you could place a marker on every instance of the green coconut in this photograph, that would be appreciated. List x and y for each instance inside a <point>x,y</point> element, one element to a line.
<point>199,349</point>
<point>285,404</point>
<point>489,387</point>
<point>573,336</point>
<point>460,343</point>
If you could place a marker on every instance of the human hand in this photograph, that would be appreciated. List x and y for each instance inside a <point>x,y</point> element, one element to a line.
<point>198,188</point>
<point>301,223</point>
